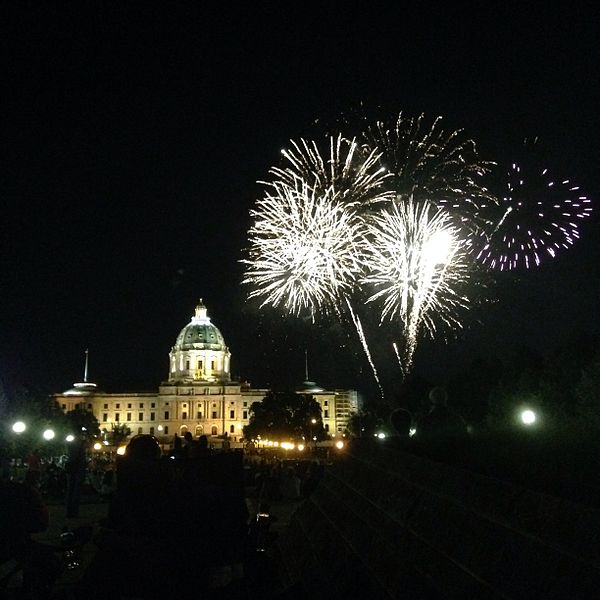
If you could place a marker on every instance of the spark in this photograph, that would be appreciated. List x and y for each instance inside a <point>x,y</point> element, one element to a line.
<point>416,264</point>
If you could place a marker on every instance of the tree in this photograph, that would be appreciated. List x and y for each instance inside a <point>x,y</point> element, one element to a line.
<point>118,433</point>
<point>82,420</point>
<point>285,416</point>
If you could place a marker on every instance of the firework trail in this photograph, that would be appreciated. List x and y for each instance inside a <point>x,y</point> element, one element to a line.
<point>429,164</point>
<point>416,264</point>
<point>538,216</point>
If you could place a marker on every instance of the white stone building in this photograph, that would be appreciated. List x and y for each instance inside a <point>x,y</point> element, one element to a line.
<point>199,395</point>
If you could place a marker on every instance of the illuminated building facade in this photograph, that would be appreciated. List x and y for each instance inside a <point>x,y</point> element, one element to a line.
<point>199,395</point>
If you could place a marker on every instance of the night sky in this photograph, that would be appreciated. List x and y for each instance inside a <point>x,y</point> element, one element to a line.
<point>133,137</point>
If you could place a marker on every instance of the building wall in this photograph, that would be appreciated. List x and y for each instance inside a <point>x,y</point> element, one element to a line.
<point>201,408</point>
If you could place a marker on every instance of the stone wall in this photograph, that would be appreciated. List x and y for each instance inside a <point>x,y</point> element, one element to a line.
<point>390,524</point>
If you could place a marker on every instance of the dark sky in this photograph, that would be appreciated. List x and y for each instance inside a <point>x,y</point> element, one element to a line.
<point>133,136</point>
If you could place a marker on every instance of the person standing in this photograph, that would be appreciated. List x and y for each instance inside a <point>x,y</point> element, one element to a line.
<point>75,469</point>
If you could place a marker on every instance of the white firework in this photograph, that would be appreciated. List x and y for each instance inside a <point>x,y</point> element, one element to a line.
<point>304,253</point>
<point>356,177</point>
<point>417,265</point>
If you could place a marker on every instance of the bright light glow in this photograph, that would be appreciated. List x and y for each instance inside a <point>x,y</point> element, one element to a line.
<point>380,435</point>
<point>160,428</point>
<point>121,450</point>
<point>48,434</point>
<point>19,427</point>
<point>70,438</point>
<point>313,421</point>
<point>301,447</point>
<point>97,446</point>
<point>106,442</point>
<point>287,445</point>
<point>412,431</point>
<point>528,417</point>
<point>416,261</point>
<point>339,445</point>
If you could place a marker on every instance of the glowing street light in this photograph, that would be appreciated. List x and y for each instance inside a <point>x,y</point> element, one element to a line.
<point>528,417</point>
<point>19,427</point>
<point>339,445</point>
<point>48,434</point>
<point>70,438</point>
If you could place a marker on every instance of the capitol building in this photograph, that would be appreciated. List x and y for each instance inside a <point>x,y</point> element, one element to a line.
<point>199,395</point>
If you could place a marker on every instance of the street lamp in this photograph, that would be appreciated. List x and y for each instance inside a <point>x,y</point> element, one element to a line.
<point>19,427</point>
<point>48,434</point>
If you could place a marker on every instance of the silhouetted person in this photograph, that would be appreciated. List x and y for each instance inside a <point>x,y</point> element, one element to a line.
<point>75,470</point>
<point>34,469</point>
<point>22,513</point>
<point>190,448</point>
<point>441,422</point>
<point>177,447</point>
<point>203,449</point>
<point>401,421</point>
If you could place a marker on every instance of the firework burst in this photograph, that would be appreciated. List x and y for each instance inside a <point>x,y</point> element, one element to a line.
<point>538,216</point>
<point>303,254</point>
<point>355,177</point>
<point>428,163</point>
<point>417,265</point>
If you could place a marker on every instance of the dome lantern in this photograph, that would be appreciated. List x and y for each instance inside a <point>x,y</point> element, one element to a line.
<point>200,353</point>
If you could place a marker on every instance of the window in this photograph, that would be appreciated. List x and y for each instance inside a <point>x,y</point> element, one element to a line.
<point>187,365</point>
<point>212,365</point>
<point>214,414</point>
<point>166,429</point>
<point>214,406</point>
<point>245,404</point>
<point>64,407</point>
<point>327,427</point>
<point>199,365</point>
<point>166,404</point>
<point>151,430</point>
<point>118,406</point>
<point>105,406</point>
<point>129,405</point>
<point>184,405</point>
<point>140,416</point>
<point>153,405</point>
<point>232,429</point>
<point>232,414</point>
<point>213,430</point>
<point>140,429</point>
<point>326,402</point>
<point>153,416</point>
<point>117,417</point>
<point>129,416</point>
<point>327,414</point>
<point>184,415</point>
<point>90,406</point>
<point>141,405</point>
<point>199,415</point>
<point>105,417</point>
<point>245,414</point>
<point>166,415</point>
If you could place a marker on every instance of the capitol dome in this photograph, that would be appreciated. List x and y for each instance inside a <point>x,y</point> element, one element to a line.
<point>200,353</point>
